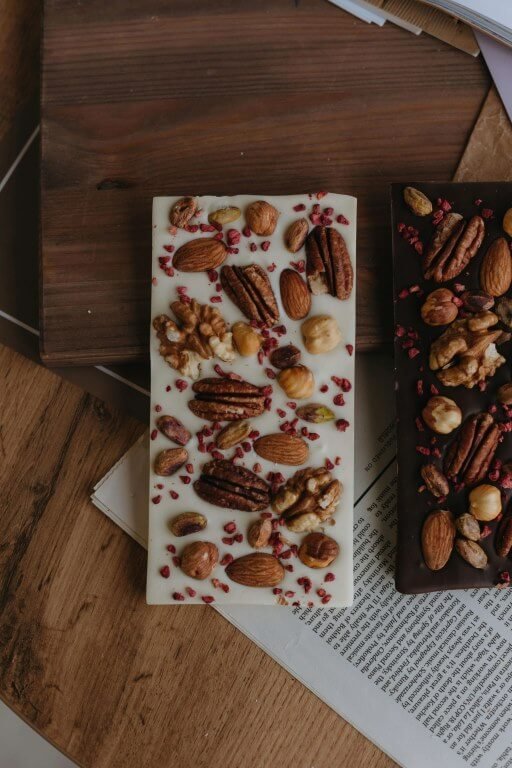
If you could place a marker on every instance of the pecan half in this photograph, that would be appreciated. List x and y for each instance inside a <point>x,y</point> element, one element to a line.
<point>504,540</point>
<point>455,242</point>
<point>228,485</point>
<point>470,454</point>
<point>226,399</point>
<point>328,265</point>
<point>435,481</point>
<point>250,289</point>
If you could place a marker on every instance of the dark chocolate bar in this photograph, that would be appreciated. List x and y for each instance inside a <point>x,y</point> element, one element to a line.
<point>452,365</point>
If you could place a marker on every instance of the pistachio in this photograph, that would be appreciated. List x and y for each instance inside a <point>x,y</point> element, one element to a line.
<point>169,461</point>
<point>435,481</point>
<point>259,533</point>
<point>232,434</point>
<point>315,413</point>
<point>471,552</point>
<point>417,201</point>
<point>187,522</point>
<point>467,526</point>
<point>224,215</point>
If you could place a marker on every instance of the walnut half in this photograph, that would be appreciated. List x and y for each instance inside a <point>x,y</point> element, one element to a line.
<point>308,499</point>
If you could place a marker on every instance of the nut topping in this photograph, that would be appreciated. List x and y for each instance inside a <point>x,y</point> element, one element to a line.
<point>473,344</point>
<point>225,215</point>
<point>232,434</point>
<point>507,222</point>
<point>442,415</point>
<point>417,201</point>
<point>435,481</point>
<point>257,569</point>
<point>471,552</point>
<point>173,429</point>
<point>469,456</point>
<point>285,357</point>
<point>199,558</point>
<point>295,296</point>
<point>476,301</point>
<point>298,382</point>
<point>504,540</point>
<point>454,244</point>
<point>200,335</point>
<point>485,502</point>
<point>308,499</point>
<point>320,334</point>
<point>281,448</point>
<point>295,236</point>
<point>226,400</point>
<point>468,527</point>
<point>261,217</point>
<point>318,550</point>
<point>225,484</point>
<point>315,413</point>
<point>247,341</point>
<point>505,393</point>
<point>439,308</point>
<point>169,461</point>
<point>200,255</point>
<point>437,538</point>
<point>182,211</point>
<point>250,289</point>
<point>496,268</point>
<point>186,523</point>
<point>259,532</point>
<point>328,266</point>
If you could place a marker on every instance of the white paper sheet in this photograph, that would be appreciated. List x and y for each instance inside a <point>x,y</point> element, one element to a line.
<point>428,678</point>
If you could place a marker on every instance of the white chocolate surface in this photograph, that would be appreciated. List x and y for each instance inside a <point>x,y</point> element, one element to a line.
<point>332,443</point>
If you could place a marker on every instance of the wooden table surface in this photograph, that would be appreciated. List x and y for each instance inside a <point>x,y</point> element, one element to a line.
<point>107,679</point>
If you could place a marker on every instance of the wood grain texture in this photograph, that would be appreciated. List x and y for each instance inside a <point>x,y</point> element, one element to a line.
<point>110,681</point>
<point>193,96</point>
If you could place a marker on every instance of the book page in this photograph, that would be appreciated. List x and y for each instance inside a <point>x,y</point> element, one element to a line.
<point>428,678</point>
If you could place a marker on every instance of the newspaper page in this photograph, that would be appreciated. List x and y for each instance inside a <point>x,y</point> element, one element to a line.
<point>428,678</point>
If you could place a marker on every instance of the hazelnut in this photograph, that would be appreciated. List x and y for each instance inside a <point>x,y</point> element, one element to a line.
<point>438,308</point>
<point>318,550</point>
<point>259,533</point>
<point>298,382</point>
<point>505,393</point>
<point>485,502</point>
<point>247,340</point>
<point>261,217</point>
<point>199,558</point>
<point>442,415</point>
<point>285,357</point>
<point>467,526</point>
<point>507,222</point>
<point>321,334</point>
<point>187,523</point>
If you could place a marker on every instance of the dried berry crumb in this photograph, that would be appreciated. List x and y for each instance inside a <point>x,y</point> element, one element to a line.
<point>174,495</point>
<point>156,499</point>
<point>171,548</point>
<point>230,527</point>
<point>265,245</point>
<point>154,434</point>
<point>342,425</point>
<point>227,559</point>
<point>329,577</point>
<point>178,596</point>
<point>165,571</point>
<point>190,592</point>
<point>207,599</point>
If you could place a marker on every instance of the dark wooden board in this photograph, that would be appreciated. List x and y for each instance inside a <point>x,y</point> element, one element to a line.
<point>225,97</point>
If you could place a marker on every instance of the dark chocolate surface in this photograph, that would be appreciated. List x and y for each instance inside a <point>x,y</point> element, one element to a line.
<point>412,575</point>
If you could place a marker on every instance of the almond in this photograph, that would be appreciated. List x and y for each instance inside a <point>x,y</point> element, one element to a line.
<point>281,448</point>
<point>437,539</point>
<point>259,533</point>
<point>261,217</point>
<point>471,552</point>
<point>200,255</point>
<point>295,295</point>
<point>182,211</point>
<point>496,269</point>
<point>257,569</point>
<point>296,234</point>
